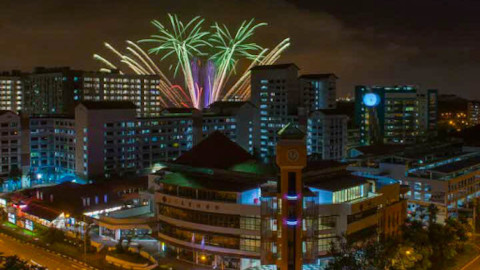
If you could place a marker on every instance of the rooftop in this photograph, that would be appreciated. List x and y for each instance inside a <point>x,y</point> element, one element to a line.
<point>277,66</point>
<point>228,104</point>
<point>41,211</point>
<point>335,181</point>
<point>67,197</point>
<point>319,165</point>
<point>2,112</point>
<point>380,149</point>
<point>318,76</point>
<point>108,105</point>
<point>236,182</point>
<point>215,152</point>
<point>178,110</point>
<point>458,165</point>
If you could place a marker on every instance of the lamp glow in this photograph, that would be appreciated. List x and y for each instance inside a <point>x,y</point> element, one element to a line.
<point>371,99</point>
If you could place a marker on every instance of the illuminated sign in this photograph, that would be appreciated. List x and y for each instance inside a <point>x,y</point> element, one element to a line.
<point>291,222</point>
<point>3,202</point>
<point>12,218</point>
<point>371,99</point>
<point>29,225</point>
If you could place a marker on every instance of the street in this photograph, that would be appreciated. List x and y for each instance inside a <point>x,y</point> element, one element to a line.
<point>9,246</point>
<point>473,265</point>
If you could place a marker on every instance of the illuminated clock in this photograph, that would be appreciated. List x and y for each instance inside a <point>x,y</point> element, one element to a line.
<point>292,155</point>
<point>371,99</point>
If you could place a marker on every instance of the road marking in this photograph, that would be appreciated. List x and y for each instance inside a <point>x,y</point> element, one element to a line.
<point>470,263</point>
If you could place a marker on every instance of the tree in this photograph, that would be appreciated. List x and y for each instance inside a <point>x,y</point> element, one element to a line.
<point>15,263</point>
<point>3,215</point>
<point>404,256</point>
<point>432,214</point>
<point>421,247</point>
<point>54,235</point>
<point>443,242</point>
<point>15,175</point>
<point>415,235</point>
<point>345,257</point>
<point>119,246</point>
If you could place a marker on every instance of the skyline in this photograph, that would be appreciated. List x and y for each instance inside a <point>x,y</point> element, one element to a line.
<point>396,46</point>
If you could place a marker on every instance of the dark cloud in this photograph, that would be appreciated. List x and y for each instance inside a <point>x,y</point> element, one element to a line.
<point>432,43</point>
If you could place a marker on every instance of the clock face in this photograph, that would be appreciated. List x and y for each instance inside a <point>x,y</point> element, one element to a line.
<point>371,99</point>
<point>292,155</point>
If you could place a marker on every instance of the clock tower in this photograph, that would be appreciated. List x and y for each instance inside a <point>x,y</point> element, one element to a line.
<point>291,158</point>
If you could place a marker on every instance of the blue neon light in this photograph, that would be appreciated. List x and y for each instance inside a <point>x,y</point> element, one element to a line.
<point>292,222</point>
<point>371,99</point>
<point>292,197</point>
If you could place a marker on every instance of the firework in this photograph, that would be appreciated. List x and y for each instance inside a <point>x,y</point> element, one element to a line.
<point>207,59</point>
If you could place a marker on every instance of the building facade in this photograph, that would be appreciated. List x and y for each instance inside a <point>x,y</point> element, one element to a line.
<point>319,91</point>
<point>315,204</point>
<point>52,148</point>
<point>233,119</point>
<point>442,175</point>
<point>473,113</point>
<point>208,205</point>
<point>11,91</point>
<point>10,143</point>
<point>58,90</point>
<point>394,115</point>
<point>327,135</point>
<point>275,92</point>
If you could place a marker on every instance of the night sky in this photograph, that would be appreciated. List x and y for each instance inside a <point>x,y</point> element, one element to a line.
<point>432,43</point>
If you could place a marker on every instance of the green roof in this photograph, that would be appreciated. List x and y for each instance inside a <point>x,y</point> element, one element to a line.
<point>253,167</point>
<point>180,179</point>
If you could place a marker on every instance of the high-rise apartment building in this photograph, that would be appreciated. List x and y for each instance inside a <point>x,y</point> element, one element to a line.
<point>50,91</point>
<point>318,91</point>
<point>142,90</point>
<point>327,135</point>
<point>275,92</point>
<point>52,148</point>
<point>282,97</point>
<point>428,110</point>
<point>473,113</point>
<point>10,146</point>
<point>233,119</point>
<point>106,139</point>
<point>58,90</point>
<point>394,115</point>
<point>11,91</point>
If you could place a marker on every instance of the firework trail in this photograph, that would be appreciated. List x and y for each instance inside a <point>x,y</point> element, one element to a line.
<point>206,59</point>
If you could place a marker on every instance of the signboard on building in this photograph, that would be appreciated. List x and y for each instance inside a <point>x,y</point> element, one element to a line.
<point>12,218</point>
<point>29,225</point>
<point>3,202</point>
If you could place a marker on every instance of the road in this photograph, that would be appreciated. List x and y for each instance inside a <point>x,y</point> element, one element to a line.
<point>473,265</point>
<point>9,246</point>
